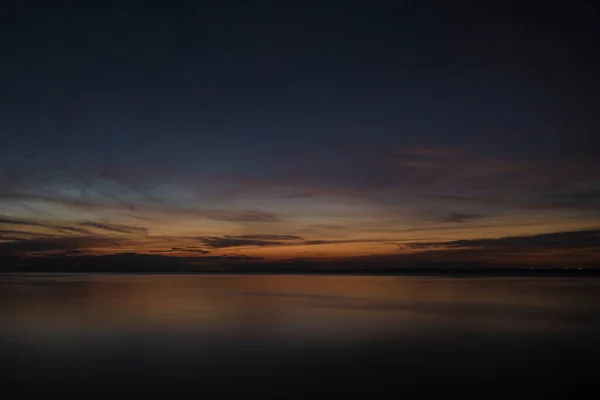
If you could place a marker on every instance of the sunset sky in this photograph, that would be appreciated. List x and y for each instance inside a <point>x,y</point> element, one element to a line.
<point>282,131</point>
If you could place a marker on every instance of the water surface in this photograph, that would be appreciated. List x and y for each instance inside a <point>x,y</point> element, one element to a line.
<point>294,334</point>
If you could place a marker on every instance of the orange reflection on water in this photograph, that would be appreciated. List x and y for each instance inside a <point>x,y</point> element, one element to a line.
<point>298,305</point>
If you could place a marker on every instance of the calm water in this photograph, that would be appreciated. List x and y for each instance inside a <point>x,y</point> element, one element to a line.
<point>280,335</point>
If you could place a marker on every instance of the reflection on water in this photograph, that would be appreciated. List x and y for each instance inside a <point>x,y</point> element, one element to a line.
<point>314,333</point>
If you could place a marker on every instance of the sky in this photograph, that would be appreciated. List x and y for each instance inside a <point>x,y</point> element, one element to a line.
<point>238,131</point>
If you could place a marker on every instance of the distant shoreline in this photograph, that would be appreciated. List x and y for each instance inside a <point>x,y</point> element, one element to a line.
<point>559,273</point>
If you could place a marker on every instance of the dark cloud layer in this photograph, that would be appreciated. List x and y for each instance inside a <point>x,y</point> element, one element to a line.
<point>216,242</point>
<point>261,240</point>
<point>26,246</point>
<point>346,241</point>
<point>460,217</point>
<point>548,241</point>
<point>268,237</point>
<point>581,248</point>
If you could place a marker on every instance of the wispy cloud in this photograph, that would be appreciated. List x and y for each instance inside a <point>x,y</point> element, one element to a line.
<point>241,216</point>
<point>570,201</point>
<point>115,228</point>
<point>74,230</point>
<point>39,224</point>
<point>460,217</point>
<point>12,221</point>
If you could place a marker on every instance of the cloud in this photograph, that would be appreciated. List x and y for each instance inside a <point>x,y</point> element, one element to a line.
<point>278,240</point>
<point>577,247</point>
<point>459,217</point>
<point>74,230</point>
<point>317,242</point>
<point>116,228</point>
<point>25,246</point>
<point>39,224</point>
<point>330,226</point>
<point>7,234</point>
<point>561,249</point>
<point>557,240</point>
<point>269,237</point>
<point>259,240</point>
<point>220,242</point>
<point>558,206</point>
<point>242,216</point>
<point>11,221</point>
<point>226,258</point>
<point>341,241</point>
<point>451,197</point>
<point>72,252</point>
<point>445,178</point>
<point>199,251</point>
<point>81,202</point>
<point>575,201</point>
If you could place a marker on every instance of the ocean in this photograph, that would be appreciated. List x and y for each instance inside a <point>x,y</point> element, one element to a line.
<point>277,336</point>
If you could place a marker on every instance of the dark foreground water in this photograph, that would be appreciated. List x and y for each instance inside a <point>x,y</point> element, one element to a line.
<point>311,336</point>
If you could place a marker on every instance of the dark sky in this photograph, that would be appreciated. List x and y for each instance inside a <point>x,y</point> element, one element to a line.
<point>288,130</point>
